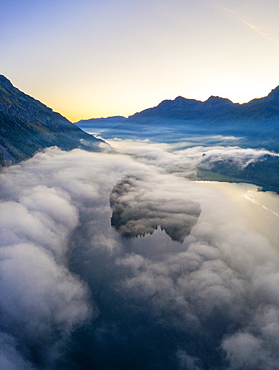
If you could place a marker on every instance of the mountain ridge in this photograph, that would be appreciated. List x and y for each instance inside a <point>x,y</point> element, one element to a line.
<point>28,126</point>
<point>252,124</point>
<point>183,108</point>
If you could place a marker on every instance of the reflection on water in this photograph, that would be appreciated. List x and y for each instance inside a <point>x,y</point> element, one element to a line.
<point>258,210</point>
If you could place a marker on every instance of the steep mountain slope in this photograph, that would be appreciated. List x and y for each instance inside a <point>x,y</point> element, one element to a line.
<point>27,125</point>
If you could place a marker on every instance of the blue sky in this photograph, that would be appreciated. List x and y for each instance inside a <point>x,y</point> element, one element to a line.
<point>94,58</point>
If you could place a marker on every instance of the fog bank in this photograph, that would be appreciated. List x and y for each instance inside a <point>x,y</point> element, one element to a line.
<point>75,293</point>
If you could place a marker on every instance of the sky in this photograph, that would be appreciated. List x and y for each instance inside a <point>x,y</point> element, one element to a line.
<point>99,58</point>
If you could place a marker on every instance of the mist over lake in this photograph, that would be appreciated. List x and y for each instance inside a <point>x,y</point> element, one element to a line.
<point>139,185</point>
<point>78,293</point>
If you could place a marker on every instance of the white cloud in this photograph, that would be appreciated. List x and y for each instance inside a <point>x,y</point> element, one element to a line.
<point>175,159</point>
<point>161,302</point>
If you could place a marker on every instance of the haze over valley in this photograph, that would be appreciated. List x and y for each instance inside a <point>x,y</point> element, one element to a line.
<point>139,185</point>
<point>150,246</point>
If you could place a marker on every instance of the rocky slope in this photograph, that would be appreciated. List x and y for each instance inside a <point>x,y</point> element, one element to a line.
<point>27,126</point>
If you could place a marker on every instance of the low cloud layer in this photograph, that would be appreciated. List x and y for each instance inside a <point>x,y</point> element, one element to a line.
<point>175,158</point>
<point>75,294</point>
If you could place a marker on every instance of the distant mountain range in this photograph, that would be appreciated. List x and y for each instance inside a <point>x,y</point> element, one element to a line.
<point>27,126</point>
<point>255,123</point>
<point>104,122</point>
<point>216,121</point>
<point>98,125</point>
<point>214,109</point>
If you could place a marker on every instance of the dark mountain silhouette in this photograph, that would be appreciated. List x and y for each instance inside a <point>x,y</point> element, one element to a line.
<point>255,123</point>
<point>27,126</point>
<point>101,121</point>
<point>98,125</point>
<point>214,109</point>
<point>216,121</point>
<point>185,109</point>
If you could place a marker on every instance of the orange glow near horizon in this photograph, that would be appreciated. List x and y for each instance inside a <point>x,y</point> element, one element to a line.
<point>108,58</point>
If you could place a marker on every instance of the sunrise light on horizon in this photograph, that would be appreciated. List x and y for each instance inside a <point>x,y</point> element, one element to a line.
<point>148,242</point>
<point>95,58</point>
